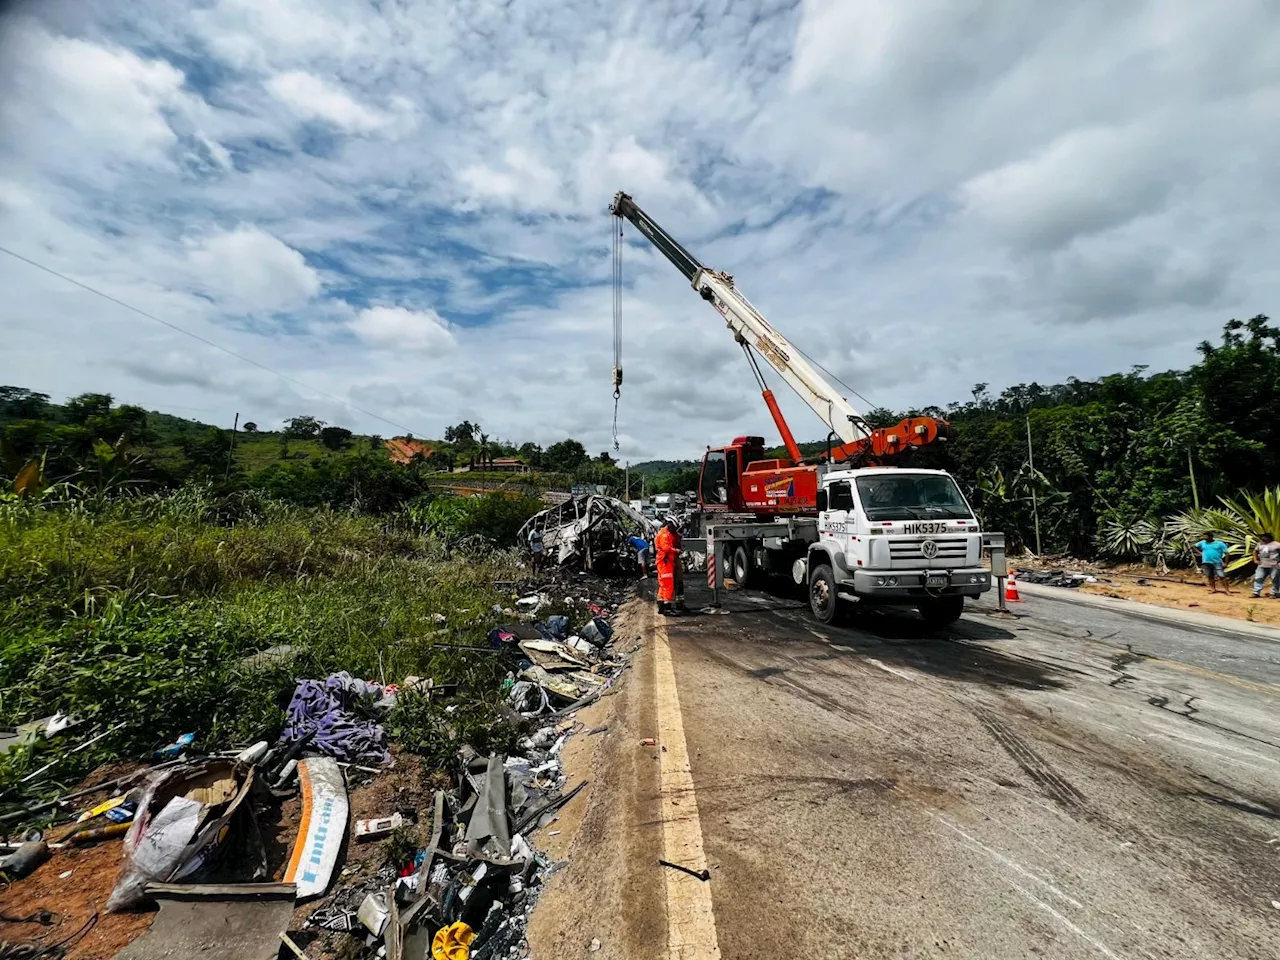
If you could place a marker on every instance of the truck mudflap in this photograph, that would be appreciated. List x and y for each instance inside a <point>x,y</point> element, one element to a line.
<point>913,584</point>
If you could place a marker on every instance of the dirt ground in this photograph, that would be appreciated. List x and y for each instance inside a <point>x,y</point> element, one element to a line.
<point>598,894</point>
<point>74,899</point>
<point>1181,589</point>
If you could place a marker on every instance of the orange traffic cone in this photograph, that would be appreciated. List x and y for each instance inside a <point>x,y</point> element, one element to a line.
<point>1011,588</point>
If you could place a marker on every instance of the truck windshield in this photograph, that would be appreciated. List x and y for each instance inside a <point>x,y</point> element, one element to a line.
<point>908,496</point>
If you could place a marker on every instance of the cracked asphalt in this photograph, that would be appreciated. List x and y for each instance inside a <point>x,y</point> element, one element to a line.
<point>1075,782</point>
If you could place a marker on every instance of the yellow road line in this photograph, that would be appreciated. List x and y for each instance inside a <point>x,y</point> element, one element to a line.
<point>691,923</point>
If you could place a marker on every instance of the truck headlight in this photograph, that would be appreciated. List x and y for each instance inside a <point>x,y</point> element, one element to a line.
<point>886,581</point>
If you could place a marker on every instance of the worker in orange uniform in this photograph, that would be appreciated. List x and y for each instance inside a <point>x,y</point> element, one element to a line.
<point>667,547</point>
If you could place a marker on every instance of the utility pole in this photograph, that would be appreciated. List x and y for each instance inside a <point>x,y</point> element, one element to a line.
<point>1035,505</point>
<point>232,452</point>
<point>626,474</point>
<point>1191,469</point>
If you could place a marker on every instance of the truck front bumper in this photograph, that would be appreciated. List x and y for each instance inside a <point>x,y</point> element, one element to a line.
<point>911,584</point>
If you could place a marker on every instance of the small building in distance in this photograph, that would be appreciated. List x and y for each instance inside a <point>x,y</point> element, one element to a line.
<point>403,449</point>
<point>494,465</point>
<point>506,465</point>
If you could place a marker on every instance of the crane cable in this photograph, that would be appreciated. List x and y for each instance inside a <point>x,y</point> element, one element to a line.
<point>617,328</point>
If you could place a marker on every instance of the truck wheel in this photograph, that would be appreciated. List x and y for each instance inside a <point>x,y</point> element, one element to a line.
<point>740,569</point>
<point>822,594</point>
<point>941,611</point>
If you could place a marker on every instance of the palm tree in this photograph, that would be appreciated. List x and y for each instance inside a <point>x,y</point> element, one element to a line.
<point>484,451</point>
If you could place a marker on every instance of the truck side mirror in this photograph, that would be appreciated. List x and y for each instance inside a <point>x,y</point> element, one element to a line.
<point>822,500</point>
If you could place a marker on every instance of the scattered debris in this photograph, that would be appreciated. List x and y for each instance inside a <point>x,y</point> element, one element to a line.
<point>184,818</point>
<point>202,835</point>
<point>378,828</point>
<point>327,710</point>
<point>452,942</point>
<point>703,874</point>
<point>1056,578</point>
<point>246,924</point>
<point>1059,577</point>
<point>24,860</point>
<point>296,950</point>
<point>27,734</point>
<point>324,824</point>
<point>175,749</point>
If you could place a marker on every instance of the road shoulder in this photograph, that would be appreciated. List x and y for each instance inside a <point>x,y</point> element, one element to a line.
<point>598,894</point>
<point>1148,611</point>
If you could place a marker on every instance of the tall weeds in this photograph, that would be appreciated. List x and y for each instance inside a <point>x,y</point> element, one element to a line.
<point>143,610</point>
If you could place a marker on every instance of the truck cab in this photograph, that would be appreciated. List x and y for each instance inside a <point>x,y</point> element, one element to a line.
<point>890,535</point>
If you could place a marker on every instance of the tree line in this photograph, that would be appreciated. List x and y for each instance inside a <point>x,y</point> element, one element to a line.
<point>1126,465</point>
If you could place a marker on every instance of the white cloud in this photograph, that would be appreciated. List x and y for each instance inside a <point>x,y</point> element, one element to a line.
<point>313,99</point>
<point>1087,181</point>
<point>400,329</point>
<point>522,180</point>
<point>248,270</point>
<point>110,99</point>
<point>172,368</point>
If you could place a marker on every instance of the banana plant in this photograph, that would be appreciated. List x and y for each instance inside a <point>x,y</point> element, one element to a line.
<point>30,481</point>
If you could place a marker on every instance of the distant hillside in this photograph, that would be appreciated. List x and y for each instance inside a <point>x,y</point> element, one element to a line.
<point>167,449</point>
<point>654,468</point>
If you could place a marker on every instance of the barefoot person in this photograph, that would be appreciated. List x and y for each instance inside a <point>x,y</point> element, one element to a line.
<point>1212,552</point>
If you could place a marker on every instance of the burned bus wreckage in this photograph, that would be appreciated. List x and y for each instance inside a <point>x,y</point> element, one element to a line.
<point>588,533</point>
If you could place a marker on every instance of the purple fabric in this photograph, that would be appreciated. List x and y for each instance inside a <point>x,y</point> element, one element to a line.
<point>341,732</point>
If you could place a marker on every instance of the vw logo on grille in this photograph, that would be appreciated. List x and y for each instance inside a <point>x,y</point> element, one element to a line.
<point>929,549</point>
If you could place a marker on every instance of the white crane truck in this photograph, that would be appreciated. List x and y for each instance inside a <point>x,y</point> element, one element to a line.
<point>848,524</point>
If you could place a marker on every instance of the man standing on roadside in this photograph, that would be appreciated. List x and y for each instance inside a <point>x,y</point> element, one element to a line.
<point>1212,552</point>
<point>1266,554</point>
<point>666,546</point>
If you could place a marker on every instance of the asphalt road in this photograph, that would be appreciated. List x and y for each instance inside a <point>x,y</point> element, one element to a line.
<point>1071,783</point>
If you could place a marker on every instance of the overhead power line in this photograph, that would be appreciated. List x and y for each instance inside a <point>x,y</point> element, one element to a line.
<point>834,377</point>
<point>209,343</point>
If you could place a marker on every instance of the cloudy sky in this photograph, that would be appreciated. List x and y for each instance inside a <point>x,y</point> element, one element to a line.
<point>403,204</point>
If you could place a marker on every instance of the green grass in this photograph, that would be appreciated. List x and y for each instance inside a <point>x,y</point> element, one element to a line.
<point>142,611</point>
<point>533,481</point>
<point>256,451</point>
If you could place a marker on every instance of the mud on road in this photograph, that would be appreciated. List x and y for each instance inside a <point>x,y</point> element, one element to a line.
<point>1069,783</point>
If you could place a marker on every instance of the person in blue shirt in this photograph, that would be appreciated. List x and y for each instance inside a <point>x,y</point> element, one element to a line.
<point>1212,552</point>
<point>641,547</point>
